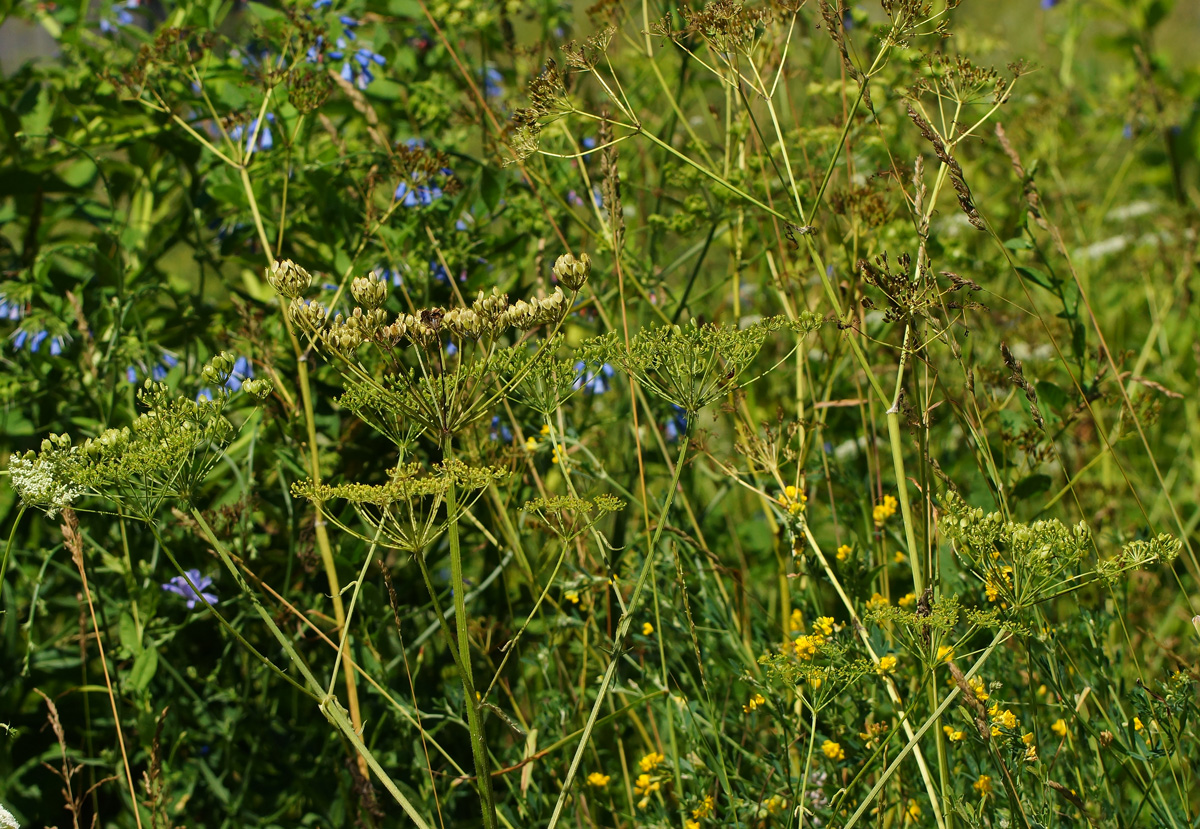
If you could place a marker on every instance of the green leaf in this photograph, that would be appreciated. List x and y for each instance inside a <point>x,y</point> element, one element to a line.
<point>127,632</point>
<point>1038,277</point>
<point>143,668</point>
<point>491,187</point>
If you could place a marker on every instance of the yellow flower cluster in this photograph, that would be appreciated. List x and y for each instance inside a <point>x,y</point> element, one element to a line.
<point>643,787</point>
<point>755,701</point>
<point>706,807</point>
<point>887,664</point>
<point>983,785</point>
<point>1060,728</point>
<point>793,500</point>
<point>907,600</point>
<point>998,581</point>
<point>775,804</point>
<point>572,596</point>
<point>647,629</point>
<point>1002,719</point>
<point>797,621</point>
<point>651,761</point>
<point>981,691</point>
<point>884,510</point>
<point>844,551</point>
<point>953,734</point>
<point>807,646</point>
<point>945,653</point>
<point>877,601</point>
<point>833,751</point>
<point>597,780</point>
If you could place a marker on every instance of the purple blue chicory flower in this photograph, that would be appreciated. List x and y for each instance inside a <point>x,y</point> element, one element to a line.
<point>265,139</point>
<point>197,591</point>
<point>594,382</point>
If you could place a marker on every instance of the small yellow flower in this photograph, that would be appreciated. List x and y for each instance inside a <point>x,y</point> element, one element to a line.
<point>755,701</point>
<point>1031,755</point>
<point>545,431</point>
<point>824,625</point>
<point>806,646</point>
<point>843,552</point>
<point>981,692</point>
<point>887,664</point>
<point>571,596</point>
<point>775,804</point>
<point>907,600</point>
<point>884,510</point>
<point>691,824</point>
<point>876,600</point>
<point>644,787</point>
<point>1060,728</point>
<point>647,629</point>
<point>899,557</point>
<point>1028,738</point>
<point>1137,725</point>
<point>945,653</point>
<point>983,785</point>
<point>651,761</point>
<point>705,808</point>
<point>833,750</point>
<point>797,620</point>
<point>531,444</point>
<point>953,734</point>
<point>913,812</point>
<point>789,492</point>
<point>559,453</point>
<point>597,780</point>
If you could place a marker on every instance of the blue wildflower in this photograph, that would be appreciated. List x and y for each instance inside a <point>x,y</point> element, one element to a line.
<point>242,371</point>
<point>265,139</point>
<point>589,143</point>
<point>451,349</point>
<point>491,83</point>
<point>124,15</point>
<point>419,195</point>
<point>500,430</point>
<point>356,68</point>
<point>595,382</point>
<point>1049,4</point>
<point>322,4</point>
<point>439,273</point>
<point>11,310</point>
<point>197,591</point>
<point>676,427</point>
<point>131,374</point>
<point>21,337</point>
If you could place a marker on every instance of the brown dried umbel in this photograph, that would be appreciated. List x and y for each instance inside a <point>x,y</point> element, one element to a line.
<point>727,26</point>
<point>907,297</point>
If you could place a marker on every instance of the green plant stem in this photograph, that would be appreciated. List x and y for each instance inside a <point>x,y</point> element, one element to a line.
<point>474,720</point>
<point>328,705</point>
<point>12,535</point>
<point>925,726</point>
<point>622,631</point>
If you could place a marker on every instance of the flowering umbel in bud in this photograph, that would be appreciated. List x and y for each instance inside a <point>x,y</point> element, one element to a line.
<point>573,272</point>
<point>288,278</point>
<point>368,291</point>
<point>218,369</point>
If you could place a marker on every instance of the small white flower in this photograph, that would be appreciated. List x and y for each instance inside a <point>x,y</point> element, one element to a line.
<point>7,821</point>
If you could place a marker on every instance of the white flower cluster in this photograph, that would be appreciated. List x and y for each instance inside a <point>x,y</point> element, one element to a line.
<point>7,821</point>
<point>34,480</point>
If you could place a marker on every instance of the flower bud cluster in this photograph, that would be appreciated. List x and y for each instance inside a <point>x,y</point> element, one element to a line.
<point>573,272</point>
<point>347,334</point>
<point>288,278</point>
<point>369,291</point>
<point>218,369</point>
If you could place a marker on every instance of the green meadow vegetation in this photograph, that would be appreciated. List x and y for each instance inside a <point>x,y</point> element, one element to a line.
<point>519,413</point>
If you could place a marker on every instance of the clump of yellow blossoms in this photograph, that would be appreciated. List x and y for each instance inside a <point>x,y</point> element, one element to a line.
<point>793,500</point>
<point>597,780</point>
<point>1060,728</point>
<point>887,664</point>
<point>755,701</point>
<point>572,596</point>
<point>705,808</point>
<point>1002,719</point>
<point>643,787</point>
<point>907,600</point>
<point>981,691</point>
<point>876,601</point>
<point>844,551</point>
<point>945,653</point>
<point>1000,580</point>
<point>884,510</point>
<point>983,785</point>
<point>833,751</point>
<point>953,734</point>
<point>647,629</point>
<point>807,646</point>
<point>651,761</point>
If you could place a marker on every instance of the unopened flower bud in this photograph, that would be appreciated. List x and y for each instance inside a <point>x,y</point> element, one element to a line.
<point>288,278</point>
<point>573,272</point>
<point>259,387</point>
<point>368,291</point>
<point>218,369</point>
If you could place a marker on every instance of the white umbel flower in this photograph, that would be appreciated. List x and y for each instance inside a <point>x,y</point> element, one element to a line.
<point>7,821</point>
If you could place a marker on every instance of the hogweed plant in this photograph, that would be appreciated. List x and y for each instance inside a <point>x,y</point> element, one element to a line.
<point>848,479</point>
